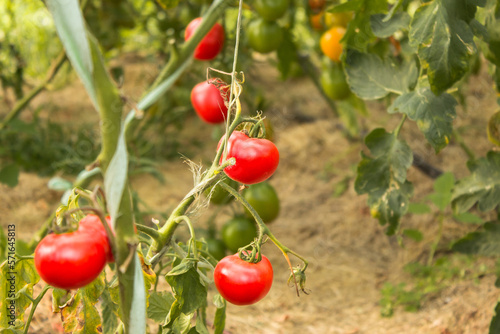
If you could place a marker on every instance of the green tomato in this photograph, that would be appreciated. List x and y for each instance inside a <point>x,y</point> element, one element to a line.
<point>333,82</point>
<point>264,199</point>
<point>219,196</point>
<point>238,232</point>
<point>216,248</point>
<point>263,36</point>
<point>271,10</point>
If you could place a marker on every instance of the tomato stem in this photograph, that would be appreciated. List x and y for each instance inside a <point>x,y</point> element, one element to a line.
<point>34,306</point>
<point>400,126</point>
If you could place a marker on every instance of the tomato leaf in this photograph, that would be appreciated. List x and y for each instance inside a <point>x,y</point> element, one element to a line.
<point>159,305</point>
<point>110,314</point>
<point>416,235</point>
<point>220,314</point>
<point>468,218</point>
<point>359,34</point>
<point>9,175</point>
<point>419,208</point>
<point>384,28</point>
<point>188,287</point>
<point>59,184</point>
<point>383,177</point>
<point>443,187</point>
<point>17,281</point>
<point>182,324</point>
<point>495,322</point>
<point>485,242</point>
<point>482,186</point>
<point>434,114</point>
<point>370,77</point>
<point>80,315</point>
<point>441,32</point>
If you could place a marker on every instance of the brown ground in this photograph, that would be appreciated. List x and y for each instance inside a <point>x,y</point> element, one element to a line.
<point>350,257</point>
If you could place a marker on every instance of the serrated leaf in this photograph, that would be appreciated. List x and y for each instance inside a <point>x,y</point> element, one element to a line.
<point>20,275</point>
<point>70,27</point>
<point>9,175</point>
<point>383,177</point>
<point>419,208</point>
<point>220,314</point>
<point>468,218</point>
<point>370,77</point>
<point>441,32</point>
<point>416,235</point>
<point>481,187</point>
<point>81,316</point>
<point>359,34</point>
<point>59,184</point>
<point>433,114</point>
<point>485,242</point>
<point>159,305</point>
<point>189,289</point>
<point>384,28</point>
<point>495,321</point>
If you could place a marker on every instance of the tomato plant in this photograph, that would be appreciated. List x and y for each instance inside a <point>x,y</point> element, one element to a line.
<point>218,195</point>
<point>243,283</point>
<point>264,199</point>
<point>70,260</point>
<point>238,232</point>
<point>211,44</point>
<point>270,10</point>
<point>208,103</point>
<point>264,36</point>
<point>255,159</point>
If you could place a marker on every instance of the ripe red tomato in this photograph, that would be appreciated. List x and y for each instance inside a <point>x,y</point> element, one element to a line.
<point>70,260</point>
<point>211,44</point>
<point>92,224</point>
<point>256,159</point>
<point>243,283</point>
<point>208,103</point>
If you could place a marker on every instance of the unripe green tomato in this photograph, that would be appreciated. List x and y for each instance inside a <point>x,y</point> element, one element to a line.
<point>264,199</point>
<point>333,82</point>
<point>238,232</point>
<point>263,36</point>
<point>270,10</point>
<point>216,248</point>
<point>220,196</point>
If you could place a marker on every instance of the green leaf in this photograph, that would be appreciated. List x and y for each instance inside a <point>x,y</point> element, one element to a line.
<point>17,280</point>
<point>485,242</point>
<point>70,27</point>
<point>81,316</point>
<point>167,4</point>
<point>201,328</point>
<point>359,34</point>
<point>434,114</point>
<point>287,55</point>
<point>182,323</point>
<point>442,190</point>
<point>110,314</point>
<point>441,32</point>
<point>370,77</point>
<point>468,218</point>
<point>495,321</point>
<point>189,289</point>
<point>384,28</point>
<point>481,187</point>
<point>9,175</point>
<point>59,184</point>
<point>419,208</point>
<point>414,234</point>
<point>159,305</point>
<point>220,314</point>
<point>383,177</point>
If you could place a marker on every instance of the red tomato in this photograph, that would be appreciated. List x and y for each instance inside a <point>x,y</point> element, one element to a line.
<point>92,224</point>
<point>208,103</point>
<point>70,260</point>
<point>256,159</point>
<point>243,283</point>
<point>211,44</point>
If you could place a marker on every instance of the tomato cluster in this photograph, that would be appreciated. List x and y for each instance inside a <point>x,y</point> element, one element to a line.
<point>73,260</point>
<point>264,33</point>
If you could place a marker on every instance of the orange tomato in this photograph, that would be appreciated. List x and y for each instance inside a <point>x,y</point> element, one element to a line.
<point>316,21</point>
<point>330,43</point>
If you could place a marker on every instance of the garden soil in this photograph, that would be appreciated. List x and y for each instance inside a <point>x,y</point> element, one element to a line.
<point>350,257</point>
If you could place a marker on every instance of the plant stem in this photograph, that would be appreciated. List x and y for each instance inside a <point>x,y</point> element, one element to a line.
<point>21,104</point>
<point>400,126</point>
<point>438,239</point>
<point>34,306</point>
